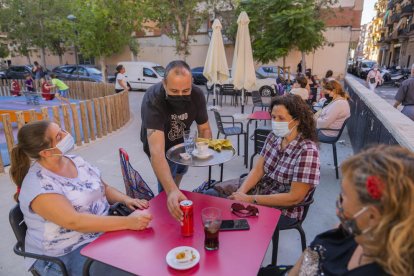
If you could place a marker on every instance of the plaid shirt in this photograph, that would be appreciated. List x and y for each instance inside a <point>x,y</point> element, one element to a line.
<point>298,162</point>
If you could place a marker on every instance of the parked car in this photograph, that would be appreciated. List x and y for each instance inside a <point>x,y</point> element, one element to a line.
<point>271,72</point>
<point>78,72</point>
<point>141,74</point>
<point>18,71</point>
<point>198,77</point>
<point>3,75</point>
<point>364,66</point>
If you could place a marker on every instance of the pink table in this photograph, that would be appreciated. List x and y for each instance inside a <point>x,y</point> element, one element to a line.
<point>143,252</point>
<point>255,116</point>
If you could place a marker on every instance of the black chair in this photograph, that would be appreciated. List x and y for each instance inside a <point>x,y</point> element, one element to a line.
<point>333,143</point>
<point>229,131</point>
<point>260,135</point>
<point>258,102</point>
<point>297,226</point>
<point>210,90</point>
<point>228,90</point>
<point>19,228</point>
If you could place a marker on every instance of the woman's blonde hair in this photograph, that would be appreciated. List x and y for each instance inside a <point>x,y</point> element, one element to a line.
<point>392,241</point>
<point>336,87</point>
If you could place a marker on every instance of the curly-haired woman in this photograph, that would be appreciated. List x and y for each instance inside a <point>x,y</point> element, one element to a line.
<point>376,210</point>
<point>287,170</point>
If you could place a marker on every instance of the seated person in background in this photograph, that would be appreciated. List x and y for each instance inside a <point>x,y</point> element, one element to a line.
<point>324,99</point>
<point>299,88</point>
<point>63,89</point>
<point>376,211</point>
<point>29,83</point>
<point>63,198</point>
<point>335,113</point>
<point>46,90</point>
<point>15,88</point>
<point>287,170</point>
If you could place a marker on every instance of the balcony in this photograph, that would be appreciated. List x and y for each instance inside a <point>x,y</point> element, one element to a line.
<point>407,10</point>
<point>395,18</point>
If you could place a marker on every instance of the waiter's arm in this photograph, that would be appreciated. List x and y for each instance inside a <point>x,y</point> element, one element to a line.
<point>204,130</point>
<point>160,166</point>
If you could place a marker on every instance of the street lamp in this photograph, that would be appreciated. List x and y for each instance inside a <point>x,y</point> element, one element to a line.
<point>72,18</point>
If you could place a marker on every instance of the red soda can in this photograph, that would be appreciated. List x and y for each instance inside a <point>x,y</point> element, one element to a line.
<point>187,229</point>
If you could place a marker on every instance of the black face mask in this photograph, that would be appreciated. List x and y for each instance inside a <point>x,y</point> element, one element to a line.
<point>328,98</point>
<point>179,103</point>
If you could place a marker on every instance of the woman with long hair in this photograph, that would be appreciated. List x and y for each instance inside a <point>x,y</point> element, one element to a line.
<point>376,211</point>
<point>63,198</point>
<point>287,170</point>
<point>334,114</point>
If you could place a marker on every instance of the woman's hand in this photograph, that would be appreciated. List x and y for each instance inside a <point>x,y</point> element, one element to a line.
<point>239,196</point>
<point>134,203</point>
<point>139,221</point>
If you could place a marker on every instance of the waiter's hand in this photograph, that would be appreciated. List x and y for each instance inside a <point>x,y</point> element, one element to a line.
<point>173,202</point>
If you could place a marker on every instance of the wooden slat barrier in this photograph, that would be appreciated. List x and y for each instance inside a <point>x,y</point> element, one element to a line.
<point>98,116</point>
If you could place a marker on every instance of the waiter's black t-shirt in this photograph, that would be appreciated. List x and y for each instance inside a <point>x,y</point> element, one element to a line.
<point>157,114</point>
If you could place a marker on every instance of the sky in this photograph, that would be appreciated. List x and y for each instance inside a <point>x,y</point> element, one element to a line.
<point>368,12</point>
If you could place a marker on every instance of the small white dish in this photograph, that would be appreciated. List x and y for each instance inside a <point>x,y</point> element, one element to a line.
<point>205,155</point>
<point>185,156</point>
<point>188,257</point>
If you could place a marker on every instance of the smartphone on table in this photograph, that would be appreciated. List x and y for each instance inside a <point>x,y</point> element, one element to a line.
<point>234,224</point>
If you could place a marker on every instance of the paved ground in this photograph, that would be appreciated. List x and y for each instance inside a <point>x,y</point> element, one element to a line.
<point>386,91</point>
<point>103,153</point>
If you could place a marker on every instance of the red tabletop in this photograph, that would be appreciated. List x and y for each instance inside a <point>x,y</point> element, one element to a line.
<point>143,252</point>
<point>259,115</point>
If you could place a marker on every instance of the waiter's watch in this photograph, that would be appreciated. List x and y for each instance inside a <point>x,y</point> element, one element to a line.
<point>254,199</point>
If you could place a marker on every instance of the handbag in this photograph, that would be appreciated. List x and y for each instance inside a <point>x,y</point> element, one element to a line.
<point>119,209</point>
<point>372,80</point>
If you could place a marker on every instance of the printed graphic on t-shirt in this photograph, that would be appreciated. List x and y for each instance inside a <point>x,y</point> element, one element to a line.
<point>177,126</point>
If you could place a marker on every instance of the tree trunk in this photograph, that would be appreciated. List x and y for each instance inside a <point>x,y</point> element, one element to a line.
<point>60,59</point>
<point>28,58</point>
<point>43,54</point>
<point>103,68</point>
<point>303,62</point>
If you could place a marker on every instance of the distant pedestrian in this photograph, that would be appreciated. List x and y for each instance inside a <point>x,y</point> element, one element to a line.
<point>46,90</point>
<point>299,67</point>
<point>38,73</point>
<point>329,75</point>
<point>405,96</point>
<point>15,88</point>
<point>120,79</point>
<point>29,85</point>
<point>63,89</point>
<point>374,78</point>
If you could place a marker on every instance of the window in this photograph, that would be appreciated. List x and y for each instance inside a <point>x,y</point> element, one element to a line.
<point>80,71</point>
<point>68,69</point>
<point>161,71</point>
<point>149,73</point>
<point>86,61</point>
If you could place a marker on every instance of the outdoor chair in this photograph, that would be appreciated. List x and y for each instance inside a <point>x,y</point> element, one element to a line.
<point>258,102</point>
<point>19,229</point>
<point>259,135</point>
<point>210,90</point>
<point>297,225</point>
<point>228,90</point>
<point>333,143</point>
<point>135,186</point>
<point>229,131</point>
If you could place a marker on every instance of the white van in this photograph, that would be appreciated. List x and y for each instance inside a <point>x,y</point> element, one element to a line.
<point>142,74</point>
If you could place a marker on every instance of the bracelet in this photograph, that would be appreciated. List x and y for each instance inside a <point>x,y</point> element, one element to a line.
<point>254,199</point>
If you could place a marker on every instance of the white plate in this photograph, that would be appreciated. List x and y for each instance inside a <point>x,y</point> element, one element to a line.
<point>172,261</point>
<point>207,154</point>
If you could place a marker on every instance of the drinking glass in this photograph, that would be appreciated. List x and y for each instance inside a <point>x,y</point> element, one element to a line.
<point>211,218</point>
<point>190,137</point>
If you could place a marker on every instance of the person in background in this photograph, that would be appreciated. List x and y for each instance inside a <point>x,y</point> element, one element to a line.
<point>15,88</point>
<point>63,89</point>
<point>376,212</point>
<point>374,78</point>
<point>120,79</point>
<point>38,72</point>
<point>63,199</point>
<point>324,98</point>
<point>334,114</point>
<point>28,83</point>
<point>329,75</point>
<point>405,96</point>
<point>299,88</point>
<point>313,86</point>
<point>46,90</point>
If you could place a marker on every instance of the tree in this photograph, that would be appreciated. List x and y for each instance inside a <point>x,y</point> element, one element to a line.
<point>278,26</point>
<point>4,51</point>
<point>179,19</point>
<point>105,27</point>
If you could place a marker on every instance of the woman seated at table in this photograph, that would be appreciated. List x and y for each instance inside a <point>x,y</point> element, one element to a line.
<point>376,211</point>
<point>334,114</point>
<point>287,170</point>
<point>301,88</point>
<point>63,198</point>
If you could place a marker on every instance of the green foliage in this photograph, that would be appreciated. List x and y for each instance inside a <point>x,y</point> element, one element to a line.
<point>4,52</point>
<point>278,26</point>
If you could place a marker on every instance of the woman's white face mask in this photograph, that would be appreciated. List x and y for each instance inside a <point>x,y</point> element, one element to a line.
<point>65,145</point>
<point>281,129</point>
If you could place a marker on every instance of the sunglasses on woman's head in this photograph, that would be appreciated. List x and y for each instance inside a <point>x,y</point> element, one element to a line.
<point>244,211</point>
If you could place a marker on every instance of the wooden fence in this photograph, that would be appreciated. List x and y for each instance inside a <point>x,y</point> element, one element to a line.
<point>87,120</point>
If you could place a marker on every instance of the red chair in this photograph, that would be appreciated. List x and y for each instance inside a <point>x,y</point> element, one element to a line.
<point>135,186</point>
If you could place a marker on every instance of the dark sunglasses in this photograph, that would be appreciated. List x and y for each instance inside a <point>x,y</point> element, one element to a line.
<point>244,211</point>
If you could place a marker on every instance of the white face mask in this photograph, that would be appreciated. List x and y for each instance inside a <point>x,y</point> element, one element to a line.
<point>281,129</point>
<point>65,145</point>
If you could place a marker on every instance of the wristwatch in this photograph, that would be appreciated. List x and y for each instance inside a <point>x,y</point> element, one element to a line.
<point>254,199</point>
